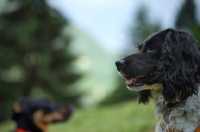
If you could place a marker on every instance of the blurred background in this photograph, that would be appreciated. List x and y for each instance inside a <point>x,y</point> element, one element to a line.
<point>65,50</point>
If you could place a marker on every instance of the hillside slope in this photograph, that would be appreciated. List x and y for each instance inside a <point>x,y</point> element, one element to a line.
<point>95,63</point>
<point>125,117</point>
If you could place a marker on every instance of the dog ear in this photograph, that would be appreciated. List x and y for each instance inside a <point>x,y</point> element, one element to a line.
<point>179,66</point>
<point>144,96</point>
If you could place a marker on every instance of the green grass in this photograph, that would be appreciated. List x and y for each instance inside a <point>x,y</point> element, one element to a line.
<point>125,117</point>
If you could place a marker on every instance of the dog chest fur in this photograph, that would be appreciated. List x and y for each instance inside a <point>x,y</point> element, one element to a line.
<point>183,116</point>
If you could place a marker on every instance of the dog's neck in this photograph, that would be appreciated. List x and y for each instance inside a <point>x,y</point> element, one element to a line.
<point>158,96</point>
<point>161,105</point>
<point>181,114</point>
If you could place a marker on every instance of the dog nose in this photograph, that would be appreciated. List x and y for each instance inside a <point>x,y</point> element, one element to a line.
<point>119,63</point>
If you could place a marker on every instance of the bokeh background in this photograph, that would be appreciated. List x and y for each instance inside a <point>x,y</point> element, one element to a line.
<point>65,50</point>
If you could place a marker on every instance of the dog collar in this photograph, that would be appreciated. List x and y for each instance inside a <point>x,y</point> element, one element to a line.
<point>198,129</point>
<point>22,130</point>
<point>172,130</point>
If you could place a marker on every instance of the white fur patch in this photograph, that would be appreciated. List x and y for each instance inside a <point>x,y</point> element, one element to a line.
<point>183,117</point>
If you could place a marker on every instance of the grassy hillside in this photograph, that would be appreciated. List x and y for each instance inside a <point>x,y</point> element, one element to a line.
<point>125,117</point>
<point>96,64</point>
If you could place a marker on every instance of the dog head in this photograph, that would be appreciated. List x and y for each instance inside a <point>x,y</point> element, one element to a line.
<point>168,60</point>
<point>36,114</point>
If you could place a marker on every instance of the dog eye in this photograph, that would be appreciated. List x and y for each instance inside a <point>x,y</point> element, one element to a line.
<point>151,49</point>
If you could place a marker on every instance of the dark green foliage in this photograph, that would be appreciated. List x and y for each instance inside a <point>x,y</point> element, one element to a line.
<point>6,98</point>
<point>34,54</point>
<point>195,28</point>
<point>187,15</point>
<point>143,27</point>
<point>187,18</point>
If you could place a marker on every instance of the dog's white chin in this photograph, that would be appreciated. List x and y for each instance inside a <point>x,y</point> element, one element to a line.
<point>155,86</point>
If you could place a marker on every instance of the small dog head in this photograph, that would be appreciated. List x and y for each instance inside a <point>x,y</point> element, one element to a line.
<point>167,60</point>
<point>36,114</point>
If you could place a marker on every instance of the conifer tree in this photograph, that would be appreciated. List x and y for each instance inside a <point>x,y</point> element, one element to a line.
<point>186,15</point>
<point>35,59</point>
<point>187,18</point>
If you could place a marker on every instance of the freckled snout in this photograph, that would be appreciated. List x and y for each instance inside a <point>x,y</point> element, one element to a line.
<point>119,64</point>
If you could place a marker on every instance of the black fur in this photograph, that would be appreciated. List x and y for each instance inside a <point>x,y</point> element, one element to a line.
<point>144,96</point>
<point>176,62</point>
<point>179,66</point>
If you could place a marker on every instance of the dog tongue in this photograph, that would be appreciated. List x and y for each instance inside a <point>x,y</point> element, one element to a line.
<point>129,81</point>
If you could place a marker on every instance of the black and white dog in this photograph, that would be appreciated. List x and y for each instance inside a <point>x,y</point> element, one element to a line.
<point>167,68</point>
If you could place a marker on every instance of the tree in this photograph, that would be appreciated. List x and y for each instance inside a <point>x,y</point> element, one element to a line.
<point>143,27</point>
<point>140,29</point>
<point>35,59</point>
<point>187,18</point>
<point>186,15</point>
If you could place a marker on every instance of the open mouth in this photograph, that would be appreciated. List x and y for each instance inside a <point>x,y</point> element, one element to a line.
<point>140,81</point>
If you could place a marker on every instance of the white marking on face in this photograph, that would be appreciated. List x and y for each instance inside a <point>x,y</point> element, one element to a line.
<point>121,74</point>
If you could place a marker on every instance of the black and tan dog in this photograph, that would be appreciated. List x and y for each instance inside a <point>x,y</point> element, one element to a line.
<point>34,115</point>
